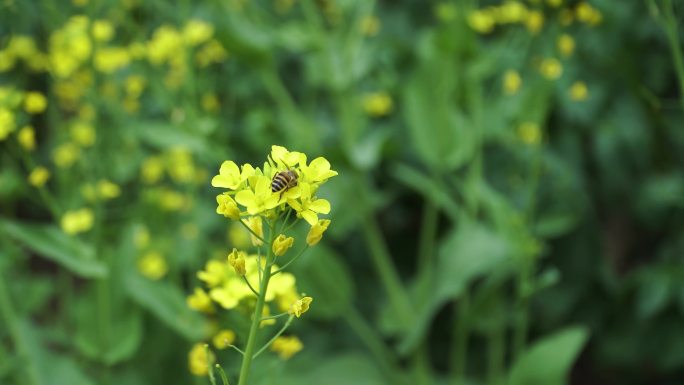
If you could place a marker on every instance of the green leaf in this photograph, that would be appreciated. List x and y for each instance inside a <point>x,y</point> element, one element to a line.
<point>167,302</point>
<point>548,361</point>
<point>472,250</point>
<point>314,271</point>
<point>48,241</point>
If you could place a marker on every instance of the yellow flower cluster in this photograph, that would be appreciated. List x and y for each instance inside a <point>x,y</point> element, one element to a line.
<point>286,346</point>
<point>251,192</point>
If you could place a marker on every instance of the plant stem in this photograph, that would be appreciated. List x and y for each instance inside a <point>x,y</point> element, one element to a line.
<point>258,311</point>
<point>670,25</point>
<point>521,324</point>
<point>281,331</point>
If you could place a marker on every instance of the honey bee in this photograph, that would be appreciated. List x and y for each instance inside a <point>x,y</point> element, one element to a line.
<point>283,181</point>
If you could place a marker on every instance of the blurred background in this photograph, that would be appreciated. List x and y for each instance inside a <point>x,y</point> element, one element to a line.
<point>509,205</point>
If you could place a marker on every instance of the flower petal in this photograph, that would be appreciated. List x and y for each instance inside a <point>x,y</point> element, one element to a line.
<point>245,198</point>
<point>320,206</point>
<point>229,168</point>
<point>310,217</point>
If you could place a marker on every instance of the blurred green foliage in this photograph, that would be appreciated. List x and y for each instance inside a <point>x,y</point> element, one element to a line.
<point>508,209</point>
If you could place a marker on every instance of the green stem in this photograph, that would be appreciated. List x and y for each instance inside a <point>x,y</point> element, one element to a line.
<point>274,316</point>
<point>250,285</point>
<point>258,311</point>
<point>670,26</point>
<point>281,331</point>
<point>210,369</point>
<point>12,321</point>
<point>252,231</point>
<point>222,373</point>
<point>521,324</point>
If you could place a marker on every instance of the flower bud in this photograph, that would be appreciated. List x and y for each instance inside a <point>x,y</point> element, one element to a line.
<point>227,207</point>
<point>282,244</point>
<point>316,232</point>
<point>254,223</point>
<point>300,306</point>
<point>237,260</point>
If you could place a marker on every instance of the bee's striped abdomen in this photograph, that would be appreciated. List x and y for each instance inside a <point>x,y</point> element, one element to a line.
<point>283,180</point>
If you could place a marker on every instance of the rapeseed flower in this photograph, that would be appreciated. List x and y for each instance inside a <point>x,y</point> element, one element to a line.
<point>511,82</point>
<point>482,21</point>
<point>534,21</point>
<point>223,339</point>
<point>579,91</point>
<point>103,30</point>
<point>199,359</point>
<point>27,138</point>
<point>377,104</point>
<point>39,176</point>
<point>529,133</point>
<point>77,221</point>
<point>35,102</point>
<point>281,244</point>
<point>551,68</point>
<point>200,301</point>
<point>286,346</point>
<point>153,265</point>
<point>565,44</point>
<point>7,122</point>
<point>316,232</point>
<point>300,306</point>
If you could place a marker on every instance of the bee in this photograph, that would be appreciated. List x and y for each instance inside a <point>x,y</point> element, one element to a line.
<point>283,181</point>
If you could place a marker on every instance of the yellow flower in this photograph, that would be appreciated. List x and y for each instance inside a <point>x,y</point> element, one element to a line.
<point>211,52</point>
<point>153,265</point>
<point>566,44</point>
<point>281,244</point>
<point>108,190</point>
<point>300,306</point>
<point>135,84</point>
<point>214,273</point>
<point>103,30</point>
<point>255,224</point>
<point>229,295</point>
<point>230,176</point>
<point>285,158</point>
<point>579,91</point>
<point>83,134</point>
<point>551,68</point>
<point>27,138</point>
<point>199,359</point>
<point>65,155</point>
<point>141,237</point>
<point>318,171</point>
<point>370,25</point>
<point>316,232</point>
<point>511,82</point>
<point>238,236</point>
<point>534,21</point>
<point>237,260</point>
<point>227,207</point>
<point>35,102</point>
<point>210,102</point>
<point>588,14</point>
<point>172,200</point>
<point>78,221</point>
<point>223,339</point>
<point>7,123</point>
<point>39,176</point>
<point>152,170</point>
<point>377,104</point>
<point>260,199</point>
<point>511,12</point>
<point>554,3</point>
<point>165,44</point>
<point>197,32</point>
<point>530,133</point>
<point>111,59</point>
<point>200,301</point>
<point>286,347</point>
<point>481,21</point>
<point>265,314</point>
<point>308,207</point>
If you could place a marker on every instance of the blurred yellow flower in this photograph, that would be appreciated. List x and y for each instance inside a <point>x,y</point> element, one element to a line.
<point>227,206</point>
<point>300,306</point>
<point>377,104</point>
<point>108,190</point>
<point>238,236</point>
<point>588,14</point>
<point>166,43</point>
<point>171,200</point>
<point>286,346</point>
<point>7,123</point>
<point>316,232</point>
<point>111,59</point>
<point>35,102</point>
<point>77,221</point>
<point>282,244</point>
<point>83,134</point>
<point>39,176</point>
<point>534,21</point>
<point>511,82</point>
<point>103,30</point>
<point>153,265</point>
<point>551,68</point>
<point>255,224</point>
<point>223,339</point>
<point>210,102</point>
<point>23,47</point>
<point>554,3</point>
<point>27,138</point>
<point>445,11</point>
<point>579,91</point>
<point>199,360</point>
<point>481,21</point>
<point>370,25</point>
<point>200,301</point>
<point>66,155</point>
<point>211,52</point>
<point>152,170</point>
<point>180,165</point>
<point>141,237</point>
<point>565,44</point>
<point>214,273</point>
<point>197,32</point>
<point>529,133</point>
